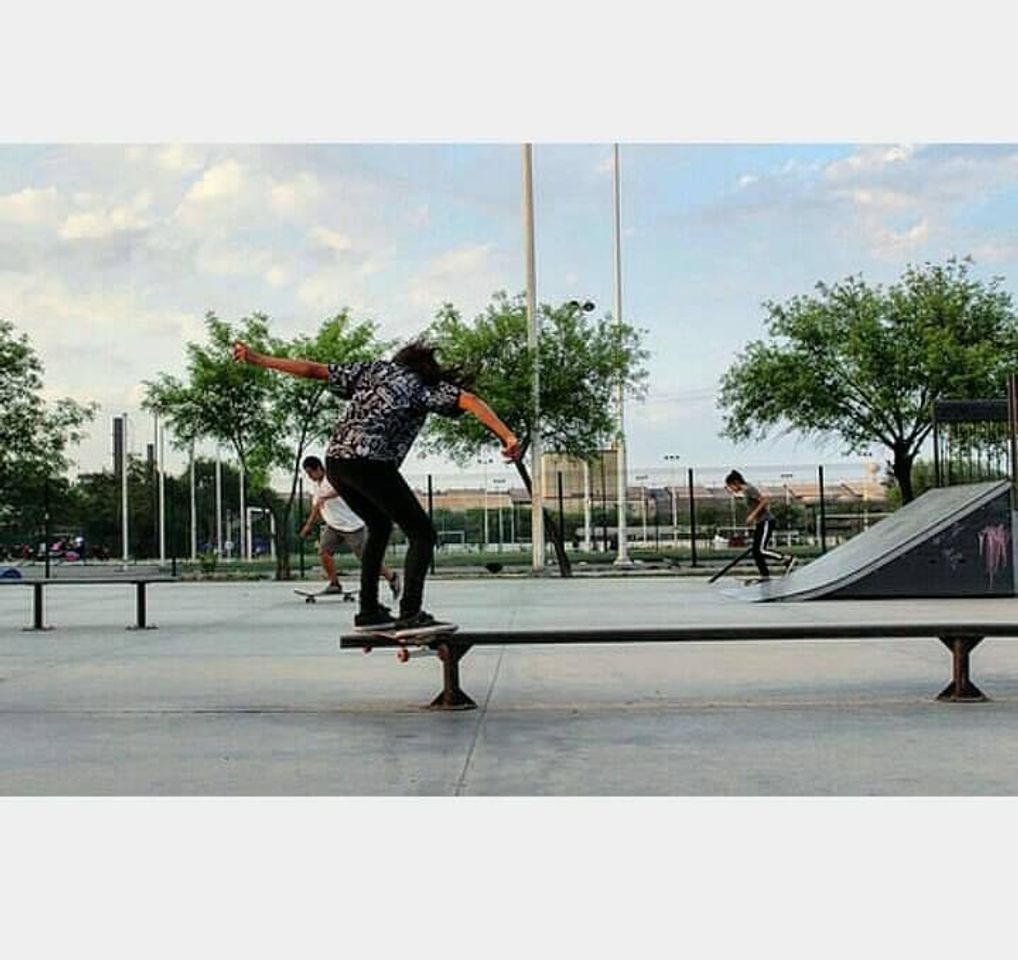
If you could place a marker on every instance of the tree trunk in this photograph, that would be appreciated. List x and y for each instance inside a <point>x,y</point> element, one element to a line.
<point>282,518</point>
<point>902,468</point>
<point>550,527</point>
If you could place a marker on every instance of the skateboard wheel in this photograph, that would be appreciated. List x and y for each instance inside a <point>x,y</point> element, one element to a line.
<point>309,599</point>
<point>368,649</point>
<point>402,655</point>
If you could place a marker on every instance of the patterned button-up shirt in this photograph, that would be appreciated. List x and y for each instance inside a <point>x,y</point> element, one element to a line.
<point>388,406</point>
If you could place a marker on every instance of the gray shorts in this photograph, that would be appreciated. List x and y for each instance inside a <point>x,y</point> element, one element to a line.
<point>330,540</point>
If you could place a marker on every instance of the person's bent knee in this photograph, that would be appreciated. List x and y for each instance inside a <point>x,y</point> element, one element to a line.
<point>425,536</point>
<point>380,527</point>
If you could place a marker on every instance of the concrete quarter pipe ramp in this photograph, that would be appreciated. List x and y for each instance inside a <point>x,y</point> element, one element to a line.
<point>949,542</point>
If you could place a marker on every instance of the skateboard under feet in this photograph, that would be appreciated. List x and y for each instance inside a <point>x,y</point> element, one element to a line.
<point>414,642</point>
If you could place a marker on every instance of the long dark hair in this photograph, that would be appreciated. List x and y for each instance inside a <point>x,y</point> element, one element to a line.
<point>419,356</point>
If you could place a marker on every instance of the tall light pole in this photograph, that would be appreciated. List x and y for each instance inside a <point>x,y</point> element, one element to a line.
<point>788,515</point>
<point>674,458</point>
<point>161,468</point>
<point>641,479</point>
<point>194,510</point>
<point>533,339</point>
<point>502,485</point>
<point>622,557</point>
<point>244,551</point>
<point>484,462</point>
<point>124,459</point>
<point>219,503</point>
<point>586,506</point>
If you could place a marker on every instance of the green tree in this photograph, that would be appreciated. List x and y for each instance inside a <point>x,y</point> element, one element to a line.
<point>268,420</point>
<point>581,362</point>
<point>34,435</point>
<point>865,363</point>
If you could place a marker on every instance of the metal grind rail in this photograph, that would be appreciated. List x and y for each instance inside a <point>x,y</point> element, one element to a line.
<point>139,584</point>
<point>960,638</point>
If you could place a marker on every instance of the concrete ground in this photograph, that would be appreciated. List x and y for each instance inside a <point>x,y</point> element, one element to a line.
<point>242,691</point>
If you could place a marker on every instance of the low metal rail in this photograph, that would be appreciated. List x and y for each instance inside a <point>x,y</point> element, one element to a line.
<point>959,638</point>
<point>39,587</point>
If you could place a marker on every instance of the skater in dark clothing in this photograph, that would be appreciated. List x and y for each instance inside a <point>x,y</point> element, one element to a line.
<point>759,516</point>
<point>389,401</point>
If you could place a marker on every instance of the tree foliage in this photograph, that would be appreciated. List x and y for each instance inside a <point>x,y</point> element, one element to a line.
<point>581,362</point>
<point>267,419</point>
<point>864,364</point>
<point>34,435</point>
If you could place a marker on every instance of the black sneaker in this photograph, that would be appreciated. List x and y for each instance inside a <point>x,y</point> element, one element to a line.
<point>381,619</point>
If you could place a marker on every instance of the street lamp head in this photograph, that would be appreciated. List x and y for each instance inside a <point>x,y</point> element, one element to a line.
<point>587,306</point>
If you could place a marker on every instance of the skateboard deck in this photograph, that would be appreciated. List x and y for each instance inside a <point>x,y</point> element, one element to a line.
<point>420,639</point>
<point>313,596</point>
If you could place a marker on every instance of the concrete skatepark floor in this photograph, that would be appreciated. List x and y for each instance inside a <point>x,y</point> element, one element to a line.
<point>242,691</point>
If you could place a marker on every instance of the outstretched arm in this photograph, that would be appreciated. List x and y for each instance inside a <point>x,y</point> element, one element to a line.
<point>478,408</point>
<point>308,369</point>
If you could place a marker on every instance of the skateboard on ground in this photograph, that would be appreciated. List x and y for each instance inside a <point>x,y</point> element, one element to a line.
<point>312,596</point>
<point>731,563</point>
<point>412,643</point>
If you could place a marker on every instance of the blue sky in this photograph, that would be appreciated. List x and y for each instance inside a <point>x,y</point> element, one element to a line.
<point>111,254</point>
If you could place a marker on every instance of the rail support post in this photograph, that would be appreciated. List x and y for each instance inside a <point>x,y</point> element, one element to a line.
<point>141,622</point>
<point>961,689</point>
<point>38,607</point>
<point>452,696</point>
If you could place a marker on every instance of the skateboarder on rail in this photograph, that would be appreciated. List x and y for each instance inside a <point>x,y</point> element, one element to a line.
<point>763,524</point>
<point>389,401</point>
<point>339,525</point>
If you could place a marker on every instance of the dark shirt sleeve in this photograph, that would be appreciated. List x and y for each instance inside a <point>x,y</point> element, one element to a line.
<point>343,378</point>
<point>443,398</point>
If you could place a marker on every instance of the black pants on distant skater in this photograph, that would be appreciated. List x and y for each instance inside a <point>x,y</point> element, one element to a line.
<point>761,537</point>
<point>376,491</point>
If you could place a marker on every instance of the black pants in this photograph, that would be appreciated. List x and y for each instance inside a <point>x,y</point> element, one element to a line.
<point>378,494</point>
<point>761,537</point>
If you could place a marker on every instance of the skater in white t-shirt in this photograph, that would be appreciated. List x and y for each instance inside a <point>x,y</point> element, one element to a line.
<point>340,525</point>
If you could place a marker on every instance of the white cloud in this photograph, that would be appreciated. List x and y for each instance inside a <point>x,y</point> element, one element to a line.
<point>420,217</point>
<point>996,251</point>
<point>887,242</point>
<point>223,180</point>
<point>331,239</point>
<point>104,222</point>
<point>30,206</point>
<point>878,199</point>
<point>178,158</point>
<point>462,260</point>
<point>747,179</point>
<point>277,277</point>
<point>465,275</point>
<point>231,259</point>
<point>293,197</point>
<point>867,160</point>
